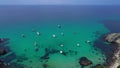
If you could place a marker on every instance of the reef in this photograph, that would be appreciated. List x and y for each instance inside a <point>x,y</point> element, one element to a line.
<point>2,51</point>
<point>98,66</point>
<point>48,51</point>
<point>6,55</point>
<point>21,58</point>
<point>83,61</point>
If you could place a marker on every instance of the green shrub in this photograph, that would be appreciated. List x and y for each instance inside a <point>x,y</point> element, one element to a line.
<point>118,66</point>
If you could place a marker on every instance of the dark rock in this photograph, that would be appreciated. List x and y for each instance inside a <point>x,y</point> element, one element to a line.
<point>46,56</point>
<point>83,61</point>
<point>8,58</point>
<point>48,51</point>
<point>2,65</point>
<point>44,65</point>
<point>64,53</point>
<point>30,61</point>
<point>3,47</point>
<point>2,51</point>
<point>108,45</point>
<point>36,49</point>
<point>71,52</point>
<point>98,66</point>
<point>3,40</point>
<point>3,43</point>
<point>21,58</point>
<point>23,35</point>
<point>16,65</point>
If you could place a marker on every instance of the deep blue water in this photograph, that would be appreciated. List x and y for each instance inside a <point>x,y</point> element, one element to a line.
<point>58,12</point>
<point>24,16</point>
<point>109,15</point>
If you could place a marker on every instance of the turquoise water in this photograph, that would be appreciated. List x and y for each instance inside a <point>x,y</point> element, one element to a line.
<point>75,31</point>
<point>78,24</point>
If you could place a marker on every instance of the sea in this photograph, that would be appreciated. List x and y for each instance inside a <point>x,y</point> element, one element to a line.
<point>56,36</point>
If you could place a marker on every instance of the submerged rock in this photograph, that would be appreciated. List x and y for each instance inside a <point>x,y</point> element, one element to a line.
<point>9,57</point>
<point>83,61</point>
<point>16,65</point>
<point>46,56</point>
<point>2,51</point>
<point>44,65</point>
<point>1,40</point>
<point>23,35</point>
<point>21,58</point>
<point>98,66</point>
<point>48,51</point>
<point>2,65</point>
<point>6,55</point>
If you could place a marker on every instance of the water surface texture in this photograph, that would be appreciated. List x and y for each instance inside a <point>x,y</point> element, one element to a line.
<point>72,26</point>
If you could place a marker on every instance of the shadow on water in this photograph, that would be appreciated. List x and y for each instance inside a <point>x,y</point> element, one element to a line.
<point>112,25</point>
<point>107,49</point>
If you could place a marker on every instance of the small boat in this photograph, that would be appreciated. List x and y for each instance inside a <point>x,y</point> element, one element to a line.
<point>54,36</point>
<point>62,34</point>
<point>59,26</point>
<point>88,41</point>
<point>78,44</point>
<point>61,45</point>
<point>38,33</point>
<point>23,35</point>
<point>61,51</point>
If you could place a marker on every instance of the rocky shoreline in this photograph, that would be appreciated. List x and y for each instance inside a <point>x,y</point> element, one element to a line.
<point>113,61</point>
<point>116,63</point>
<point>114,38</point>
<point>109,44</point>
<point>111,50</point>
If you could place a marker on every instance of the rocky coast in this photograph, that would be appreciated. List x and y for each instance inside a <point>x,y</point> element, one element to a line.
<point>114,38</point>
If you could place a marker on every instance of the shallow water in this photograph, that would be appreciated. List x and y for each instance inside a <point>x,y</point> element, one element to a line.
<point>75,31</point>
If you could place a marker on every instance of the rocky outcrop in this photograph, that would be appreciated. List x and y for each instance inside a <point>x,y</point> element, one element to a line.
<point>83,61</point>
<point>113,38</point>
<point>2,51</point>
<point>6,55</point>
